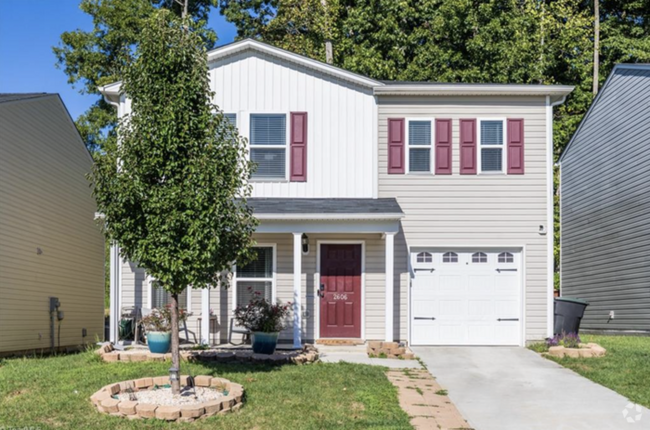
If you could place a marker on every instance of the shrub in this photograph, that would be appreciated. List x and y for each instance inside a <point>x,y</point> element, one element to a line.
<point>160,319</point>
<point>567,340</point>
<point>262,315</point>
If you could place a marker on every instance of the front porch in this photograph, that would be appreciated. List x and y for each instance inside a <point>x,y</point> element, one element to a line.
<point>344,245</point>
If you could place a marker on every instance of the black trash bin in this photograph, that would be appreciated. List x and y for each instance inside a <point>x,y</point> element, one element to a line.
<point>568,314</point>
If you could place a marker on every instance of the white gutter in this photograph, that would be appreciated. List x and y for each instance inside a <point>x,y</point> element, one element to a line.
<point>473,90</point>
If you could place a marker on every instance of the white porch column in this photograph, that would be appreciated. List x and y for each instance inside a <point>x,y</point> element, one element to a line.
<point>297,278</point>
<point>390,263</point>
<point>205,315</point>
<point>114,272</point>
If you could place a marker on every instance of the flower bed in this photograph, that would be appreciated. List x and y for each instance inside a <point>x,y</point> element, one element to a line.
<point>152,398</point>
<point>308,354</point>
<point>584,350</point>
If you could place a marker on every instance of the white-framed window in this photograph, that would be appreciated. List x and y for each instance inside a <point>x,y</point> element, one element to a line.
<point>479,257</point>
<point>268,145</point>
<point>450,257</point>
<point>232,117</point>
<point>258,276</point>
<point>419,138</point>
<point>506,257</point>
<point>161,298</point>
<point>491,152</point>
<point>424,257</point>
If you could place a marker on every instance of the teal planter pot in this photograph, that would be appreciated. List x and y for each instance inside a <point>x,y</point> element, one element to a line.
<point>159,341</point>
<point>264,343</point>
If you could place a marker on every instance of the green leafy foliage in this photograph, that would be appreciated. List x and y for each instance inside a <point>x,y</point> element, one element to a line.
<point>94,58</point>
<point>176,201</point>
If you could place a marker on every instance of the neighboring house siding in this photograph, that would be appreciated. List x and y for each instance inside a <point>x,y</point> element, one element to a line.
<point>46,203</point>
<point>341,121</point>
<point>605,206</point>
<point>473,210</point>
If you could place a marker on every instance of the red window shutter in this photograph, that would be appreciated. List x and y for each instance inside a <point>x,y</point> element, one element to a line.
<point>395,146</point>
<point>443,147</point>
<point>298,147</point>
<point>515,146</point>
<point>468,146</point>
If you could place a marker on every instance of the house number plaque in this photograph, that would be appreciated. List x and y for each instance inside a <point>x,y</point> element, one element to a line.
<point>340,296</point>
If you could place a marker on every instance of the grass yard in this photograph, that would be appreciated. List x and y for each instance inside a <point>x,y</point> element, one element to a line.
<point>625,368</point>
<point>54,392</point>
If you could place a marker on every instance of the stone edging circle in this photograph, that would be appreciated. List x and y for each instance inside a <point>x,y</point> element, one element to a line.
<point>106,403</point>
<point>586,350</point>
<point>308,354</point>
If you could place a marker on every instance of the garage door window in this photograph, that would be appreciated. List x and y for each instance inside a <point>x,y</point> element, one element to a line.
<point>479,257</point>
<point>450,257</point>
<point>506,257</point>
<point>424,257</point>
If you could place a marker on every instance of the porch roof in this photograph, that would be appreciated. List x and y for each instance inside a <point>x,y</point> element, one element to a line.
<point>325,209</point>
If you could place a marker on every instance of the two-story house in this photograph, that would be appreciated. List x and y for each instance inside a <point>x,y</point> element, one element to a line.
<point>419,212</point>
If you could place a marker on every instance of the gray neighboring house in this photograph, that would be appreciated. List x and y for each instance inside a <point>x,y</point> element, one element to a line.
<point>50,245</point>
<point>605,205</point>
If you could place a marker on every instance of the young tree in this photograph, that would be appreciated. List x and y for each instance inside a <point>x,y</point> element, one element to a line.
<point>173,191</point>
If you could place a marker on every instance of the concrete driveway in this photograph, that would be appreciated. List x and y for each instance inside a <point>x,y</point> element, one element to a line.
<point>503,388</point>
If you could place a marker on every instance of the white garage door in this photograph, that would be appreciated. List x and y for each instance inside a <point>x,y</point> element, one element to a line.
<point>466,298</point>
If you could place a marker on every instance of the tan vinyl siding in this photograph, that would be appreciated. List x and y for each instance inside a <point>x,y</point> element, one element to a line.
<point>473,210</point>
<point>46,203</point>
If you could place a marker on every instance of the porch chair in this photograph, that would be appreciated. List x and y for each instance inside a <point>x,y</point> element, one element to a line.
<point>246,334</point>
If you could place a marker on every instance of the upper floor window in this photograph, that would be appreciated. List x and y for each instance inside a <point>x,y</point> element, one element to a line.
<point>479,257</point>
<point>232,117</point>
<point>506,257</point>
<point>419,142</point>
<point>450,257</point>
<point>491,146</point>
<point>424,257</point>
<point>268,145</point>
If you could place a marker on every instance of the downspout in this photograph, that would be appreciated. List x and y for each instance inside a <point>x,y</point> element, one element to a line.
<point>550,239</point>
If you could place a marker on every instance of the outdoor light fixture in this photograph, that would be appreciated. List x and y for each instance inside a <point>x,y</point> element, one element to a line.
<point>305,244</point>
<point>173,375</point>
<point>542,230</point>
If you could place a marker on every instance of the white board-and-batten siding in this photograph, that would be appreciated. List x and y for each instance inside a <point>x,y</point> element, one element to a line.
<point>474,210</point>
<point>341,156</point>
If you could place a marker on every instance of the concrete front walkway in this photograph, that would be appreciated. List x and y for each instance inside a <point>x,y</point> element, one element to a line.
<point>503,388</point>
<point>357,354</point>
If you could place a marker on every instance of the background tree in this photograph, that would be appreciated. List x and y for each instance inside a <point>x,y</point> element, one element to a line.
<point>174,190</point>
<point>95,58</point>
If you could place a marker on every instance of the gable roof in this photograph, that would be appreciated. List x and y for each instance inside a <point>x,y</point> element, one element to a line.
<point>112,91</point>
<point>644,69</point>
<point>10,97</point>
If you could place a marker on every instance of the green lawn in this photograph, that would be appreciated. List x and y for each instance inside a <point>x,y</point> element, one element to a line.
<point>53,392</point>
<point>625,368</point>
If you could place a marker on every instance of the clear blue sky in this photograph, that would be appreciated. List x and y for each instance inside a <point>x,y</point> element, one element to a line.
<point>29,29</point>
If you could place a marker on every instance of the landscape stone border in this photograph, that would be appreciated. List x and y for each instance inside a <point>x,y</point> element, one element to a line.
<point>586,350</point>
<point>308,354</point>
<point>107,404</point>
<point>390,350</point>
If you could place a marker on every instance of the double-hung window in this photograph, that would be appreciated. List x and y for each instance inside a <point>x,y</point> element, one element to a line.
<point>232,118</point>
<point>268,145</point>
<point>161,298</point>
<point>256,277</point>
<point>492,152</point>
<point>419,146</point>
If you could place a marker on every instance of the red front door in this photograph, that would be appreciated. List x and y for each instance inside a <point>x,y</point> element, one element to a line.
<point>340,302</point>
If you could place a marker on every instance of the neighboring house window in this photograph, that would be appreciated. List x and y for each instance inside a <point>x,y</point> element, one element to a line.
<point>256,276</point>
<point>161,298</point>
<point>419,146</point>
<point>424,257</point>
<point>491,150</point>
<point>479,257</point>
<point>268,145</point>
<point>450,257</point>
<point>506,257</point>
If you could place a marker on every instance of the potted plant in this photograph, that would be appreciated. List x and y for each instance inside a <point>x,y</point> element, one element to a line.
<point>264,320</point>
<point>158,326</point>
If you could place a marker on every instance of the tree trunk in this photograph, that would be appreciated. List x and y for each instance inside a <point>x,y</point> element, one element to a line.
<point>176,356</point>
<point>329,52</point>
<point>596,45</point>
